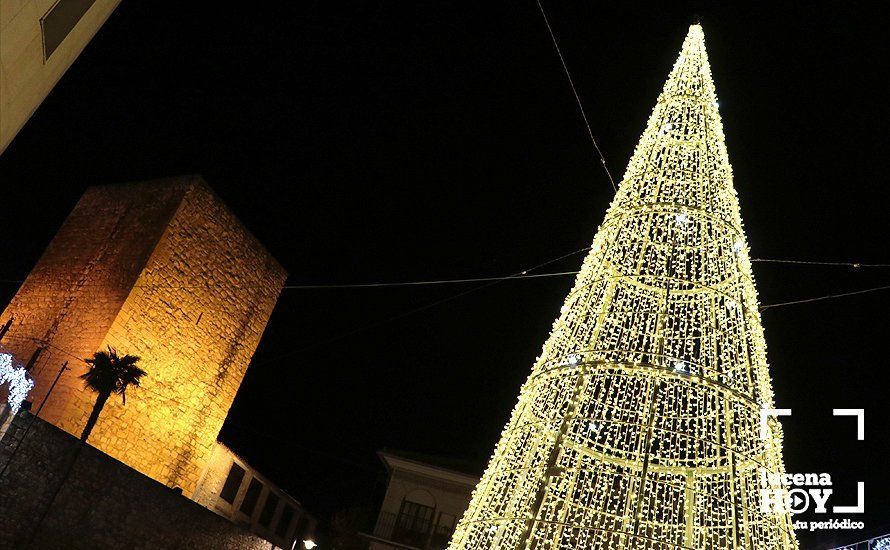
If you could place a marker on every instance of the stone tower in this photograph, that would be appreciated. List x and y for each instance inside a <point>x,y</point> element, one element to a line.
<point>159,269</point>
<point>639,426</point>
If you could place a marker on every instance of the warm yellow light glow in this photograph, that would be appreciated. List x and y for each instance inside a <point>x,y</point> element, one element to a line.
<point>164,271</point>
<point>639,424</point>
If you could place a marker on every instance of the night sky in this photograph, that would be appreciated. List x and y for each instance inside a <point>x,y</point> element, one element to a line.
<point>378,142</point>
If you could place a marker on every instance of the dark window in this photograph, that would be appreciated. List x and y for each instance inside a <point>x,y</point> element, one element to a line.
<point>233,483</point>
<point>413,523</point>
<point>284,521</point>
<point>251,496</point>
<point>415,517</point>
<point>269,510</point>
<point>59,21</point>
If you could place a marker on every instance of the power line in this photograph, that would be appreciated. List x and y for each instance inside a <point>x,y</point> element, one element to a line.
<point>45,344</point>
<point>565,68</point>
<point>812,262</point>
<point>515,276</point>
<point>366,285</point>
<point>491,282</point>
<point>436,303</point>
<point>436,282</point>
<point>826,297</point>
<point>518,274</point>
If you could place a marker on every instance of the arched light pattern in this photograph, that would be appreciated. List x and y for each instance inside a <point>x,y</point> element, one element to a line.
<point>19,383</point>
<point>639,424</point>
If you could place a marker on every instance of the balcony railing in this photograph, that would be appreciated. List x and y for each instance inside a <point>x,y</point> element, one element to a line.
<point>410,532</point>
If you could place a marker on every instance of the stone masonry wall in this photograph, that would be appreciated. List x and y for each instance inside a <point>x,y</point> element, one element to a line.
<point>194,309</point>
<point>100,504</point>
<point>70,299</point>
<point>195,316</point>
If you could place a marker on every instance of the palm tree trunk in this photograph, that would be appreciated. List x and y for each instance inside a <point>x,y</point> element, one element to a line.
<point>94,416</point>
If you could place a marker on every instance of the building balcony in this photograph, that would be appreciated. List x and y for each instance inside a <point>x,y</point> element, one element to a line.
<point>410,533</point>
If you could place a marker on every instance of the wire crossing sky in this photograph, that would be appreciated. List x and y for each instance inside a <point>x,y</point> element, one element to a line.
<point>639,426</point>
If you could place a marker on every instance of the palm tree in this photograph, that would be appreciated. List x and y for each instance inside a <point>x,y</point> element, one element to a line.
<point>109,373</point>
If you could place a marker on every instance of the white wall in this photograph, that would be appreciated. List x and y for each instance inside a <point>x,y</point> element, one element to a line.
<point>25,78</point>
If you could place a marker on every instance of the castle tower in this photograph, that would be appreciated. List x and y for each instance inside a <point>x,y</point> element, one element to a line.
<point>639,426</point>
<point>162,270</point>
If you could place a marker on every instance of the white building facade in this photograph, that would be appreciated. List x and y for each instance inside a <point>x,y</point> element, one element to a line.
<point>422,505</point>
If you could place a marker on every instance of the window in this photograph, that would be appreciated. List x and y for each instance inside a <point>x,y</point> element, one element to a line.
<point>269,509</point>
<point>413,523</point>
<point>251,496</point>
<point>232,484</point>
<point>59,21</point>
<point>415,517</point>
<point>284,521</point>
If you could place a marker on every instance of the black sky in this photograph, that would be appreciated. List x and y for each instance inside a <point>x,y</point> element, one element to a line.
<point>389,141</point>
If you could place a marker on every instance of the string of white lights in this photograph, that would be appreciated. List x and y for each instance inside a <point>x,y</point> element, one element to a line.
<point>15,375</point>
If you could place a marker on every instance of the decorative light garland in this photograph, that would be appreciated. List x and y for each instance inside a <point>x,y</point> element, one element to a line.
<point>17,378</point>
<point>639,424</point>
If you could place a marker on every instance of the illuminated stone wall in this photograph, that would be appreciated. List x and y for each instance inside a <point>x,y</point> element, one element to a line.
<point>165,271</point>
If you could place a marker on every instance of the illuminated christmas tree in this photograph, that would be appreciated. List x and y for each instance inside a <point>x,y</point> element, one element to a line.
<point>639,426</point>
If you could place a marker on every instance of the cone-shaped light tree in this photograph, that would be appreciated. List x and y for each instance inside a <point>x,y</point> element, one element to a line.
<point>639,426</point>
